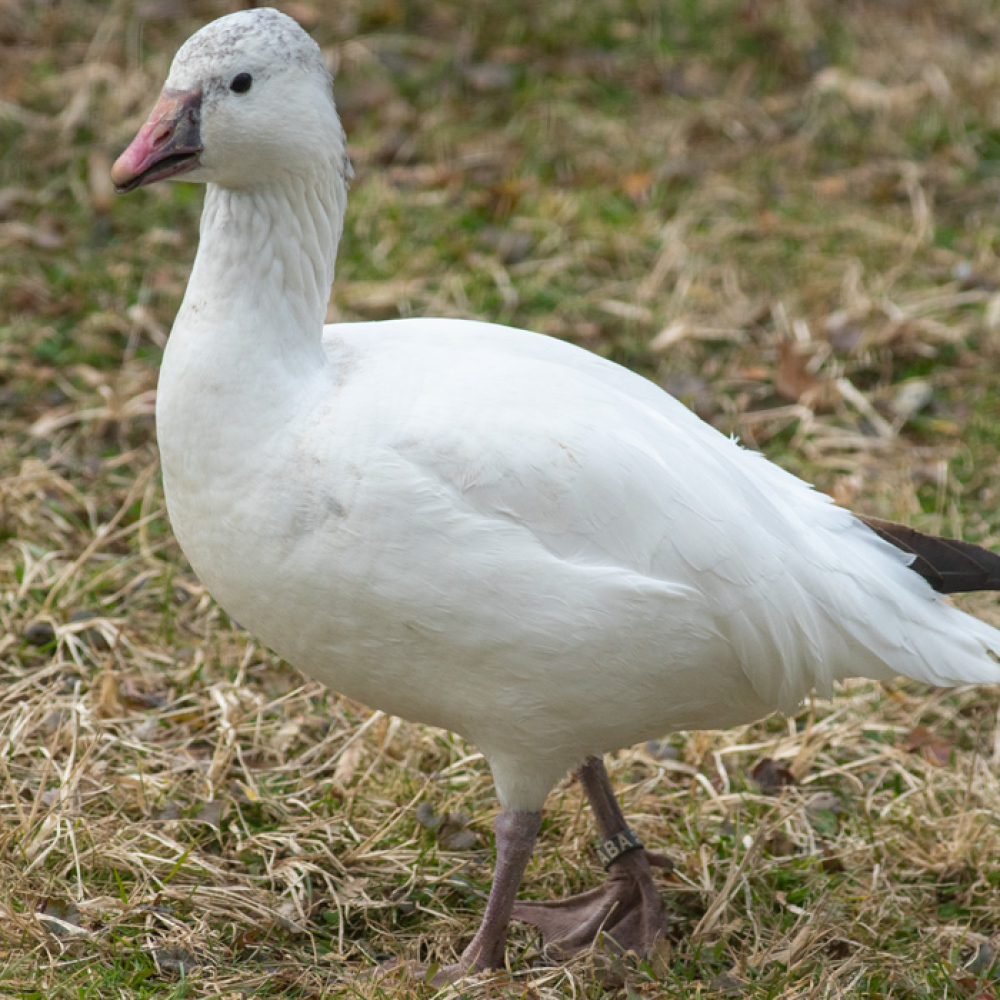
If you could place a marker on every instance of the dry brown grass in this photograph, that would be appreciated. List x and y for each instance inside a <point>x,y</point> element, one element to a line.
<point>784,212</point>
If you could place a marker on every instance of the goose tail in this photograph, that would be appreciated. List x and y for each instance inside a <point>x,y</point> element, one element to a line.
<point>949,565</point>
<point>946,646</point>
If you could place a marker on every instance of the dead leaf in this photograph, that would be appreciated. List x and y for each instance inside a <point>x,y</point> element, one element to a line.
<point>839,950</point>
<point>779,845</point>
<point>660,958</point>
<point>638,185</point>
<point>137,699</point>
<point>969,983</point>
<point>793,379</point>
<point>772,776</point>
<point>109,704</point>
<point>831,863</point>
<point>348,764</point>
<point>933,748</point>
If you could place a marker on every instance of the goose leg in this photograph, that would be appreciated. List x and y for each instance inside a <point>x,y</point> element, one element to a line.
<point>515,834</point>
<point>627,910</point>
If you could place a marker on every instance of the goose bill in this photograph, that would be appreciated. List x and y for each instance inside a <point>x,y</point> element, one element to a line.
<point>169,144</point>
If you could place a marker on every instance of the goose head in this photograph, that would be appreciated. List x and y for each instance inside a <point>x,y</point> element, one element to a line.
<point>247,103</point>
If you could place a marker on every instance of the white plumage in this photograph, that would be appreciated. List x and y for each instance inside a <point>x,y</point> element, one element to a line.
<point>472,526</point>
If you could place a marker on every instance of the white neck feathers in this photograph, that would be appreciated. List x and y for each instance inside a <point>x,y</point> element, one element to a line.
<point>265,261</point>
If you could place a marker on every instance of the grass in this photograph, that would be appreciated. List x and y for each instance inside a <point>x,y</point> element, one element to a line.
<point>784,213</point>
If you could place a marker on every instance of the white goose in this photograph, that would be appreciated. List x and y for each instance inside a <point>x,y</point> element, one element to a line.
<point>482,528</point>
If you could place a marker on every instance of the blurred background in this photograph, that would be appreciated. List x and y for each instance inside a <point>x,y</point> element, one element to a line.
<point>782,211</point>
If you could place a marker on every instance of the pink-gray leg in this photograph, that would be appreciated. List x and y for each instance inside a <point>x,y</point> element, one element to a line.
<point>515,834</point>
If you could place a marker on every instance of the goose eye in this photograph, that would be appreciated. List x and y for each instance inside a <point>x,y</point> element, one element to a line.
<point>241,83</point>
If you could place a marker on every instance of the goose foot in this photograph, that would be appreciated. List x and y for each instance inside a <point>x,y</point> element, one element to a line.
<point>626,913</point>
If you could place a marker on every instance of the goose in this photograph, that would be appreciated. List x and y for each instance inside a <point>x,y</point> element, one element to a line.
<point>483,528</point>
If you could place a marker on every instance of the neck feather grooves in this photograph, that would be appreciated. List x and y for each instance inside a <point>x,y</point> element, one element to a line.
<point>269,252</point>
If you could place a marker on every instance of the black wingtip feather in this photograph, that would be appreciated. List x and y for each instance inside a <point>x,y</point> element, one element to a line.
<point>949,565</point>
